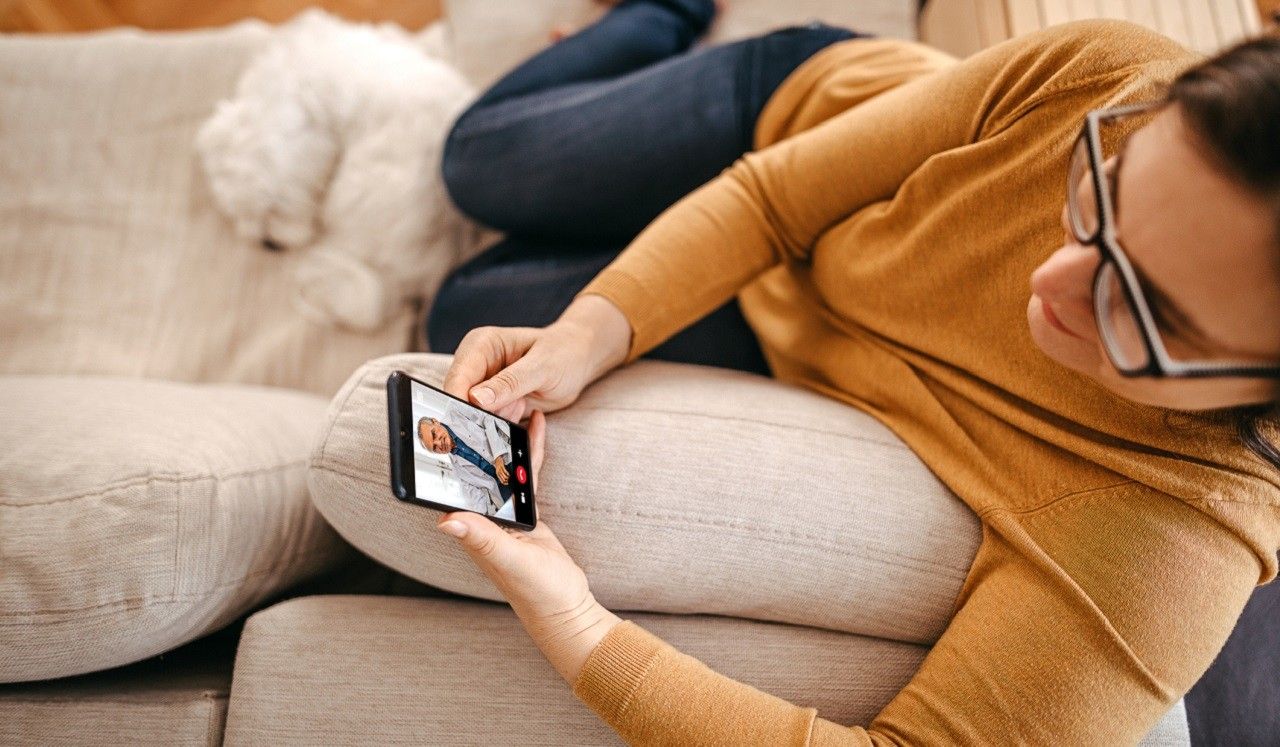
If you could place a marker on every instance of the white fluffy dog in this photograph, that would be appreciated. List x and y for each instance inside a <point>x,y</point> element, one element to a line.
<point>331,149</point>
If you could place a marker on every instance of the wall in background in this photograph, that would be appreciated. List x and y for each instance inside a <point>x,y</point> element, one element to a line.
<point>87,15</point>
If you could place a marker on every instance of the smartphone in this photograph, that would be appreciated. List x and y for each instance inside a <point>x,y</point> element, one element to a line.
<point>450,455</point>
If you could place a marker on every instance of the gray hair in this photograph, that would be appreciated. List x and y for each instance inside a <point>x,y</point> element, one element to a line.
<point>419,429</point>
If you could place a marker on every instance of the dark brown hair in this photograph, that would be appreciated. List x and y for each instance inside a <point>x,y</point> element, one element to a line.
<point>1231,102</point>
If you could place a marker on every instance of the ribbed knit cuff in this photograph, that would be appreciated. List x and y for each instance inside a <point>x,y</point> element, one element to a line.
<point>615,669</point>
<point>639,306</point>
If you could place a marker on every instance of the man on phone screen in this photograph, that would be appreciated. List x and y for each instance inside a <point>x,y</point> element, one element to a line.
<point>478,450</point>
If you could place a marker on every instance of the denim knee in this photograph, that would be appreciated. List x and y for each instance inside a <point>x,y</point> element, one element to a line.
<point>697,13</point>
<point>460,178</point>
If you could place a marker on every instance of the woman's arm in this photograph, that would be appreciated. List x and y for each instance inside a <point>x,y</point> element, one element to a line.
<point>772,205</point>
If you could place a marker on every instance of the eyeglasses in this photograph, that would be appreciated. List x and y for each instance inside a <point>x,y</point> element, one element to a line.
<point>1124,316</point>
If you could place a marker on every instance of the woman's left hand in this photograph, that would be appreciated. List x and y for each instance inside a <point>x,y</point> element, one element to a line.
<point>546,589</point>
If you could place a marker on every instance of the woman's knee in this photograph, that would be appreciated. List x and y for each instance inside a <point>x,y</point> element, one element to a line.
<point>461,172</point>
<point>486,175</point>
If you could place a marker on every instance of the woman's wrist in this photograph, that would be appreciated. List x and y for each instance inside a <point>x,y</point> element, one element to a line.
<point>568,639</point>
<point>607,329</point>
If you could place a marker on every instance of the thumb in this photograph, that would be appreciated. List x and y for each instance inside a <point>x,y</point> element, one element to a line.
<point>486,542</point>
<point>508,385</point>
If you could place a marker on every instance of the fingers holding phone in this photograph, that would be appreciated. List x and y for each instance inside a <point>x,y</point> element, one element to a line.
<point>511,371</point>
<point>484,352</point>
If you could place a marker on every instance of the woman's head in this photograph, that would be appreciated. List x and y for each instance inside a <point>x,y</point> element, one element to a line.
<point>1197,198</point>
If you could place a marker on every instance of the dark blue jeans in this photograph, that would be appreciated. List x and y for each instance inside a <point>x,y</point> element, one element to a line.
<point>578,149</point>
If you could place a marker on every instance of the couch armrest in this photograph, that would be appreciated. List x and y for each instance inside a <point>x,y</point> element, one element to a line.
<point>684,488</point>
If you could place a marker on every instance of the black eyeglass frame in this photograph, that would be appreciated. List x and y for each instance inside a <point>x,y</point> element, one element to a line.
<point>1159,363</point>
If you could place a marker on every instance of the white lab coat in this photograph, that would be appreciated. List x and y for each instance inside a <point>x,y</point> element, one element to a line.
<point>479,490</point>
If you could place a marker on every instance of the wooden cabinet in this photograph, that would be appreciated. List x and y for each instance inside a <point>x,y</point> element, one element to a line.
<point>962,27</point>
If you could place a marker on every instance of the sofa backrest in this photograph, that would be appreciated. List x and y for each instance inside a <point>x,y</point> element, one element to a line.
<point>113,259</point>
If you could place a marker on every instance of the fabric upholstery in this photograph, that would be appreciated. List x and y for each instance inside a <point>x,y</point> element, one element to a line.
<point>177,699</point>
<point>138,515</point>
<point>689,489</point>
<point>492,36</point>
<point>384,670</point>
<point>114,259</point>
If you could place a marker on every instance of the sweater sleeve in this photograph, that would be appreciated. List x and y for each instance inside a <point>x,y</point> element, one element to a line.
<point>772,204</point>
<point>1081,623</point>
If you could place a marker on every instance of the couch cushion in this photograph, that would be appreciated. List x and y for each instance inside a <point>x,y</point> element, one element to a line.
<point>380,670</point>
<point>690,489</point>
<point>113,258</point>
<point>177,699</point>
<point>492,36</point>
<point>138,515</point>
<point>388,670</point>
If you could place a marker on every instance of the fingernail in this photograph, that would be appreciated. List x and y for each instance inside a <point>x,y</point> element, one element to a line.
<point>483,395</point>
<point>454,528</point>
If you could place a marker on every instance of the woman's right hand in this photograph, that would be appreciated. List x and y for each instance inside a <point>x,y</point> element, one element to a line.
<point>511,371</point>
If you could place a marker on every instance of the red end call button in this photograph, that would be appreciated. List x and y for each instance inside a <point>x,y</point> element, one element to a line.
<point>520,473</point>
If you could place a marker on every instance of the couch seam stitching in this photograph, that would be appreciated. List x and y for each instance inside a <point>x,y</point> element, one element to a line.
<point>893,444</point>
<point>150,477</point>
<point>161,598</point>
<point>745,527</point>
<point>204,696</point>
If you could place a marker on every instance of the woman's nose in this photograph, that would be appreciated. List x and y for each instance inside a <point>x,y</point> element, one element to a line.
<point>1067,273</point>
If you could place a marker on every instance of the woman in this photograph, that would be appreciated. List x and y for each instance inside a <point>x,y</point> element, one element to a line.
<point>880,241</point>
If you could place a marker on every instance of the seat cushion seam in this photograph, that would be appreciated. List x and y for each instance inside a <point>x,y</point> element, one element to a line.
<point>178,478</point>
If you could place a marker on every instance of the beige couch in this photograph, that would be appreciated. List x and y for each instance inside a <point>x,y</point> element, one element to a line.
<point>173,458</point>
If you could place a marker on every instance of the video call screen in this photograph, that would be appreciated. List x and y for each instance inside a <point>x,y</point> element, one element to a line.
<point>463,456</point>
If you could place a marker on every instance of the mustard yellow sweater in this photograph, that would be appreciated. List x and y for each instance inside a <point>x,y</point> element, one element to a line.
<point>880,242</point>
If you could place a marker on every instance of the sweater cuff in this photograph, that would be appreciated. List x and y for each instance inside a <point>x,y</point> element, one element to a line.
<point>615,669</point>
<point>636,304</point>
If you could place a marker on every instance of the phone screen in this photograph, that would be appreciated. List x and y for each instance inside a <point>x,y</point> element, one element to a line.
<point>463,457</point>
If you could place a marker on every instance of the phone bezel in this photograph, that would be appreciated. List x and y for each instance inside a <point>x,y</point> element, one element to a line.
<point>400,425</point>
